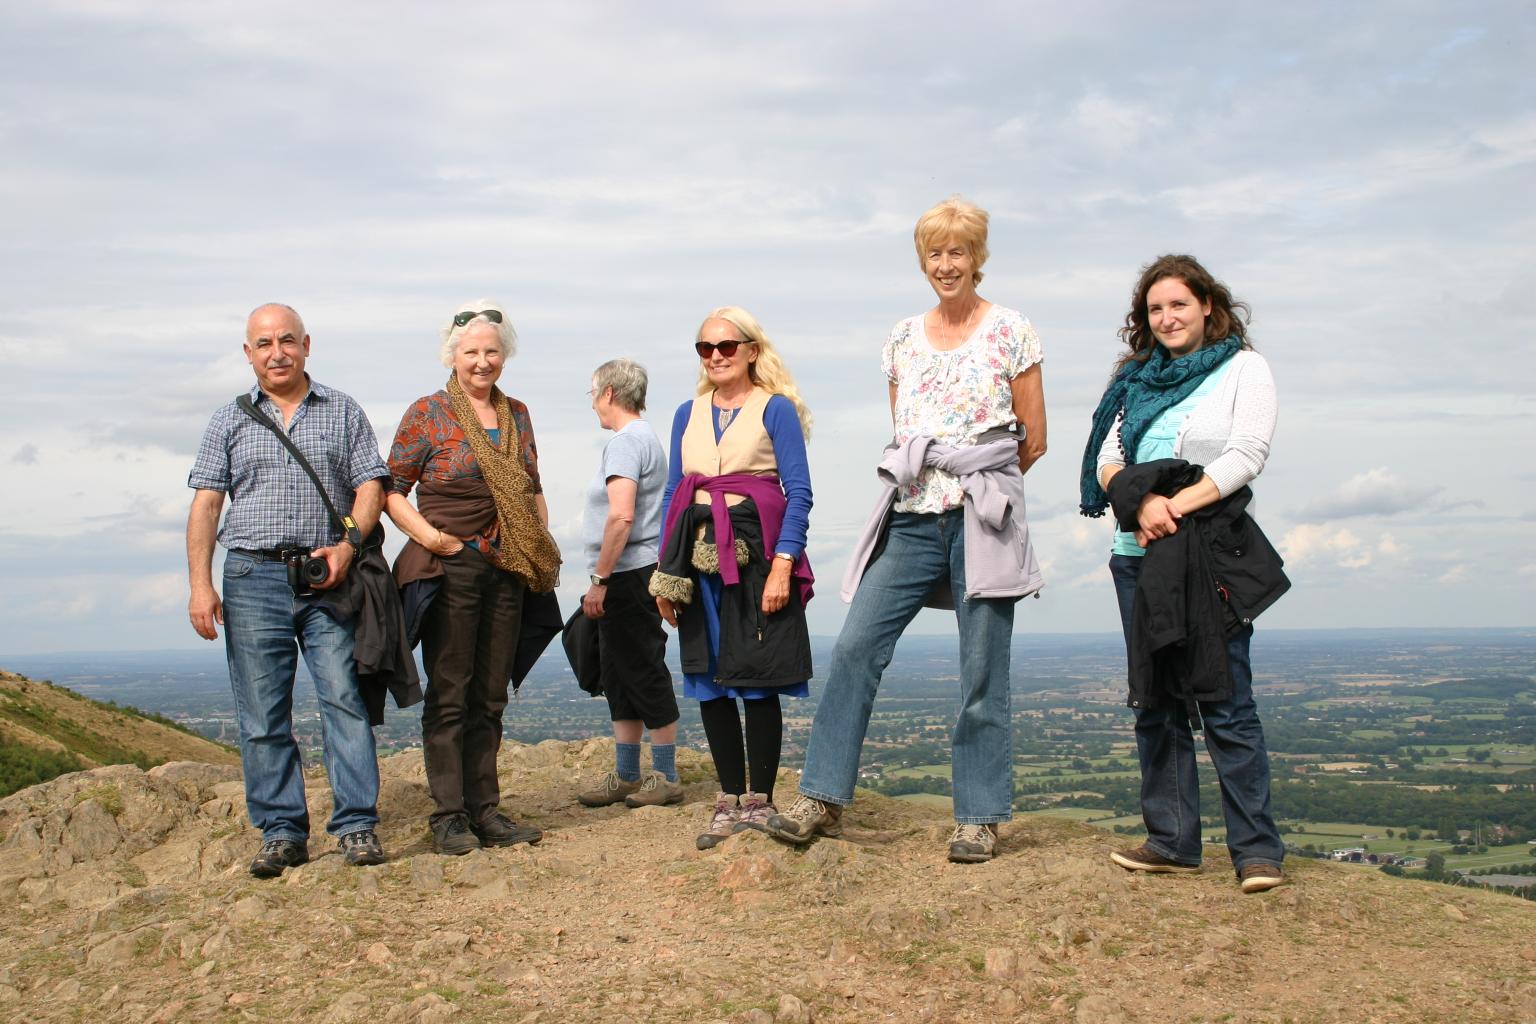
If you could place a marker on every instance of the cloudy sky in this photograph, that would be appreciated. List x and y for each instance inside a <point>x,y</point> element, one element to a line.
<point>612,171</point>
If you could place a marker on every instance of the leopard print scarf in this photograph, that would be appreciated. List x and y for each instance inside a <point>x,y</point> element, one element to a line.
<point>526,549</point>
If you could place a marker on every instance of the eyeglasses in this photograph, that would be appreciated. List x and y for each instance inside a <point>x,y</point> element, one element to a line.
<point>727,348</point>
<point>460,319</point>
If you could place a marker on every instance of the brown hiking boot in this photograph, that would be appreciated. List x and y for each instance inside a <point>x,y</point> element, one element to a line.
<point>806,819</point>
<point>655,789</point>
<point>755,812</point>
<point>972,844</point>
<point>722,823</point>
<point>610,789</point>
<point>1259,877</point>
<point>1144,859</point>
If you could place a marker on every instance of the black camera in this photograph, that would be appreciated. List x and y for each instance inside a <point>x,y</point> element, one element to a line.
<point>305,571</point>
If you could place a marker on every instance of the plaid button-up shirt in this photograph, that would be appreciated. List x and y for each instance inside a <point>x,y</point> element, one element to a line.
<point>272,501</point>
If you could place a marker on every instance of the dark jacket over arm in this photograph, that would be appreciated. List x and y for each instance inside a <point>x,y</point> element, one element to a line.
<point>1207,580</point>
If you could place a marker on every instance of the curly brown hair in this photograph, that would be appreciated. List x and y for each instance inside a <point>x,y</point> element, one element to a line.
<point>1228,317</point>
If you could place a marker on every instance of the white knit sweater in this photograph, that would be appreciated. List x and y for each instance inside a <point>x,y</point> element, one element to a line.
<point>1228,432</point>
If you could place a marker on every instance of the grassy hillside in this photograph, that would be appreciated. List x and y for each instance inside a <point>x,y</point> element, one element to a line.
<point>46,730</point>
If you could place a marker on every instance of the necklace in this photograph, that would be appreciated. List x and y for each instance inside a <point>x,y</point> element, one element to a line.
<point>965,327</point>
<point>724,414</point>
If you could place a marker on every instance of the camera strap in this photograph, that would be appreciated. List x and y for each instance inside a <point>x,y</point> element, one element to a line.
<point>347,523</point>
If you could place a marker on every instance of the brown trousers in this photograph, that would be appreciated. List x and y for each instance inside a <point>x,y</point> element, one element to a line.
<point>468,641</point>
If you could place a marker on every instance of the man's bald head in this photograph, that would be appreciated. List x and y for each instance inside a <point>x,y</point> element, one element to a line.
<point>269,308</point>
<point>277,346</point>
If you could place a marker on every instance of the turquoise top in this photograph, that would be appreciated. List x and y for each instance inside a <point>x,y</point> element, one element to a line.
<point>1159,440</point>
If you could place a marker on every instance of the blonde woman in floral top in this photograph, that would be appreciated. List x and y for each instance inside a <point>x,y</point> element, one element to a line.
<point>966,394</point>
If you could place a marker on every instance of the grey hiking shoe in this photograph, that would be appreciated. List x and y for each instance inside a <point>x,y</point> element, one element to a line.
<point>361,848</point>
<point>972,844</point>
<point>755,812</point>
<point>722,823</point>
<point>277,856</point>
<point>1144,858</point>
<point>806,819</point>
<point>610,789</point>
<point>655,789</point>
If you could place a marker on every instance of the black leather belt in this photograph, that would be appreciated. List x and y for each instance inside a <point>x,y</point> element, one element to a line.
<point>270,554</point>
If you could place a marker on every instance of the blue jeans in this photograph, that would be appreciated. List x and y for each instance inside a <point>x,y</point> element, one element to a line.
<point>265,627</point>
<point>1170,787</point>
<point>921,551</point>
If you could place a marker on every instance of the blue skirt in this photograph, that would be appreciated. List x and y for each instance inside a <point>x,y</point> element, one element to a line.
<point>702,686</point>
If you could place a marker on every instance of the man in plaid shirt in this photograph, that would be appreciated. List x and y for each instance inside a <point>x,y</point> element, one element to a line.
<point>275,511</point>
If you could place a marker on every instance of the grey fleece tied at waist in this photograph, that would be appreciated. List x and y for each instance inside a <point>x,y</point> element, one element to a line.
<point>999,560</point>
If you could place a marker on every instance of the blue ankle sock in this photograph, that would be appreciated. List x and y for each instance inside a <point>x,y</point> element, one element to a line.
<point>664,759</point>
<point>627,761</point>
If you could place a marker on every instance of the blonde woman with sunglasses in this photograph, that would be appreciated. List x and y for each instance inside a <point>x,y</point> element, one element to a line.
<point>733,576</point>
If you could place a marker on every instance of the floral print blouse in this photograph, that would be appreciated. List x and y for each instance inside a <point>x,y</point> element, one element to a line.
<point>955,396</point>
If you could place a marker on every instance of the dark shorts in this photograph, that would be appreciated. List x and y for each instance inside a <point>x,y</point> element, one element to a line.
<point>632,650</point>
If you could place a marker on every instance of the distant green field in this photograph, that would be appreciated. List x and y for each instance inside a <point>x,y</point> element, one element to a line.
<point>929,799</point>
<point>1075,813</point>
<point>1123,820</point>
<point>1327,835</point>
<point>921,771</point>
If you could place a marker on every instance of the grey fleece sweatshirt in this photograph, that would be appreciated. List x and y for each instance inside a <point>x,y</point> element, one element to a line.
<point>999,561</point>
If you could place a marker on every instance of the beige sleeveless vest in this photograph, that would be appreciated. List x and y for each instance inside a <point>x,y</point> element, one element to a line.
<point>745,447</point>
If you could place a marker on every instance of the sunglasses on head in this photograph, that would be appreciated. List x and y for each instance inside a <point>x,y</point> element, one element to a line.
<point>727,348</point>
<point>460,319</point>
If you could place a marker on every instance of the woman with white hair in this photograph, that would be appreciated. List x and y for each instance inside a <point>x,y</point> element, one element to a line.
<point>733,576</point>
<point>480,528</point>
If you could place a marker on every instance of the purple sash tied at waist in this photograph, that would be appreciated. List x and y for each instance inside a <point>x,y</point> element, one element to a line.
<point>765,492</point>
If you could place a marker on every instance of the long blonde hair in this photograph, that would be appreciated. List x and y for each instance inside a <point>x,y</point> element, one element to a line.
<point>767,371</point>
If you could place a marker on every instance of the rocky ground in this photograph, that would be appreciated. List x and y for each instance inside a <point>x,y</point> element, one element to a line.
<point>124,897</point>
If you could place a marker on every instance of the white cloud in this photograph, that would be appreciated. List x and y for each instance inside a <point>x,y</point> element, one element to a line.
<point>160,593</point>
<point>69,606</point>
<point>1314,543</point>
<point>1375,492</point>
<point>611,173</point>
<point>1458,573</point>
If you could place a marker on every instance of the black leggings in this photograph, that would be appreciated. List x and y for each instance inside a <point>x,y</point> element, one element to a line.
<point>764,737</point>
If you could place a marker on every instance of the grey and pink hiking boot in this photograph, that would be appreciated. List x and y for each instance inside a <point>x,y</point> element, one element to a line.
<point>722,823</point>
<point>755,812</point>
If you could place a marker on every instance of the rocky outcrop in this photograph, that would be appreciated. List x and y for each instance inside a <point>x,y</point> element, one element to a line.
<point>124,897</point>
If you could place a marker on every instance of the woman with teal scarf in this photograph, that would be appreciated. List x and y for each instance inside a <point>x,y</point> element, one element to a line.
<point>1189,387</point>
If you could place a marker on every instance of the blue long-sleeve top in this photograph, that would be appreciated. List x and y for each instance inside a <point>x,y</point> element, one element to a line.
<point>783,425</point>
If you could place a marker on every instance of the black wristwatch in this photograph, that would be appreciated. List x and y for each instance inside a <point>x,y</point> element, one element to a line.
<point>354,535</point>
<point>599,581</point>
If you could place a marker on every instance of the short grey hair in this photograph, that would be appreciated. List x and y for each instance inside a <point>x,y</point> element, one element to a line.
<point>628,380</point>
<point>452,333</point>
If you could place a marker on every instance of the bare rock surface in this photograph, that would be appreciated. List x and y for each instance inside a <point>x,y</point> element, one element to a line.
<point>124,896</point>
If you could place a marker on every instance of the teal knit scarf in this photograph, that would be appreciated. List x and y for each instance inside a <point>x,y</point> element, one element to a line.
<point>1143,391</point>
